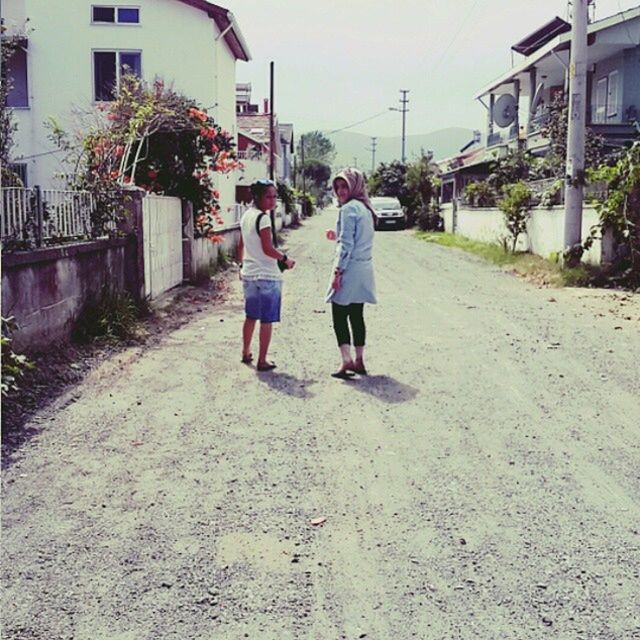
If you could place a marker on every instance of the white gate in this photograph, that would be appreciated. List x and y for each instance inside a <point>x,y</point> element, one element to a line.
<point>162,233</point>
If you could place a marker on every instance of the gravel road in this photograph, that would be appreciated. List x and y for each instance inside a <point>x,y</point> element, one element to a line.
<point>482,483</point>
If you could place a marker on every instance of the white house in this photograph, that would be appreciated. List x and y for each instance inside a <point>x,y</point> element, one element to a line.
<point>73,50</point>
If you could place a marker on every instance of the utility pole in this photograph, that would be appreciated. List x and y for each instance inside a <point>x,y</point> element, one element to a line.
<point>304,181</point>
<point>574,178</point>
<point>355,162</point>
<point>272,139</point>
<point>404,101</point>
<point>373,154</point>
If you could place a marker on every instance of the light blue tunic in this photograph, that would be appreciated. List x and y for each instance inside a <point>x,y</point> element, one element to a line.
<point>354,255</point>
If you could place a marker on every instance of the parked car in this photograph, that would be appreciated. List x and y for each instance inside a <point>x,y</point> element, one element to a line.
<point>388,213</point>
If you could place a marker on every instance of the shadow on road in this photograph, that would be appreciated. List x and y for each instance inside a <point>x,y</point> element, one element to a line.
<point>286,383</point>
<point>385,388</point>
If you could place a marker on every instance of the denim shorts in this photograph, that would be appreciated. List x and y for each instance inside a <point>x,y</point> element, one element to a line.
<point>262,299</point>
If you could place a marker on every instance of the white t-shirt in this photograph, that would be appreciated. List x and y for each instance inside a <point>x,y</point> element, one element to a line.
<point>256,265</point>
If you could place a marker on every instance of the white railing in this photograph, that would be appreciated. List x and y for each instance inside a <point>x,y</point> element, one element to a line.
<point>16,204</point>
<point>34,216</point>
<point>69,213</point>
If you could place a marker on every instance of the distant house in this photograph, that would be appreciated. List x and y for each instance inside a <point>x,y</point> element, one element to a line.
<point>254,143</point>
<point>518,102</point>
<point>285,169</point>
<point>73,53</point>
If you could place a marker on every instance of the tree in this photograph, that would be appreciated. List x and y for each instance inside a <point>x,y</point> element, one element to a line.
<point>555,130</point>
<point>390,180</point>
<point>619,212</point>
<point>422,181</point>
<point>319,153</point>
<point>516,206</point>
<point>157,139</point>
<point>7,124</point>
<point>316,147</point>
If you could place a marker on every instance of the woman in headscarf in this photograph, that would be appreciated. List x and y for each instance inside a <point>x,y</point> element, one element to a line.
<point>352,282</point>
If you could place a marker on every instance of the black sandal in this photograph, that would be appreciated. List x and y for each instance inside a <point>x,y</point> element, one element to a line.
<point>248,359</point>
<point>343,374</point>
<point>359,370</point>
<point>267,366</point>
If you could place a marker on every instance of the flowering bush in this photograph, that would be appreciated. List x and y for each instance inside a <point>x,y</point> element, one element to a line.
<point>161,141</point>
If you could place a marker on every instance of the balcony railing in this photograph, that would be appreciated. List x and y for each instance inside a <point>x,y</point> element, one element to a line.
<point>249,154</point>
<point>493,139</point>
<point>617,113</point>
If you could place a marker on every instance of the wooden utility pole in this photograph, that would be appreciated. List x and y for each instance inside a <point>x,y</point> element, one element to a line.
<point>574,174</point>
<point>272,141</point>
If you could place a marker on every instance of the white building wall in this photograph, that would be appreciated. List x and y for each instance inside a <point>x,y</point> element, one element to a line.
<point>225,115</point>
<point>177,44</point>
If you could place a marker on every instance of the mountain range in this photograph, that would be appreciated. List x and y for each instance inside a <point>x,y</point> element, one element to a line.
<point>354,149</point>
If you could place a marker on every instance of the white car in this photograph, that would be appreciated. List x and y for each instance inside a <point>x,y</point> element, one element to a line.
<point>388,212</point>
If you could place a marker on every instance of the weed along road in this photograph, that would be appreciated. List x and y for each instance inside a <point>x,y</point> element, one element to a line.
<point>481,483</point>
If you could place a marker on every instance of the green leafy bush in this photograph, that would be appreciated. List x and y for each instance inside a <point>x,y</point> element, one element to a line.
<point>113,316</point>
<point>14,365</point>
<point>516,205</point>
<point>480,194</point>
<point>619,212</point>
<point>308,204</point>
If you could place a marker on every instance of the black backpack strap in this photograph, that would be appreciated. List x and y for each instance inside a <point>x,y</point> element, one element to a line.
<point>273,231</point>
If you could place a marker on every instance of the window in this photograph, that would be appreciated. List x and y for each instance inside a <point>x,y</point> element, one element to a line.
<point>127,15</point>
<point>104,14</point>
<point>20,170</point>
<point>601,101</point>
<point>109,67</point>
<point>115,15</point>
<point>17,73</point>
<point>612,95</point>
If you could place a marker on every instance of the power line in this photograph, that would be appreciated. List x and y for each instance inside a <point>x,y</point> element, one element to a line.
<point>463,24</point>
<point>377,115</point>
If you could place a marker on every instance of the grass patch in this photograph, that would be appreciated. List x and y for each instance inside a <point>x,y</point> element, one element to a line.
<point>113,316</point>
<point>529,266</point>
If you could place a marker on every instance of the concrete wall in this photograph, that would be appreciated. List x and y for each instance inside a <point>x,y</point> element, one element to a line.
<point>545,230</point>
<point>46,289</point>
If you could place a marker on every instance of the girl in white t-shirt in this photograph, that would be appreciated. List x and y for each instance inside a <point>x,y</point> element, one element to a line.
<point>261,276</point>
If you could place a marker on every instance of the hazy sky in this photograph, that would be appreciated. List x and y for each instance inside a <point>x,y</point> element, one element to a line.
<point>341,62</point>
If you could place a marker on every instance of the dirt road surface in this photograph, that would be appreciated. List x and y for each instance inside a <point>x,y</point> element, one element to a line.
<point>482,483</point>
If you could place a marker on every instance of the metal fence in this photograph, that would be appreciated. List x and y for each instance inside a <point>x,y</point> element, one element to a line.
<point>554,188</point>
<point>36,217</point>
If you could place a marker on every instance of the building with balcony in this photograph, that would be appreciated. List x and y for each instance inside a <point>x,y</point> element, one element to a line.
<point>518,101</point>
<point>72,54</point>
<point>542,74</point>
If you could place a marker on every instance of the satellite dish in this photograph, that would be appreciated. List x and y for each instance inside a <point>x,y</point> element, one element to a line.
<point>537,97</point>
<point>504,110</point>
